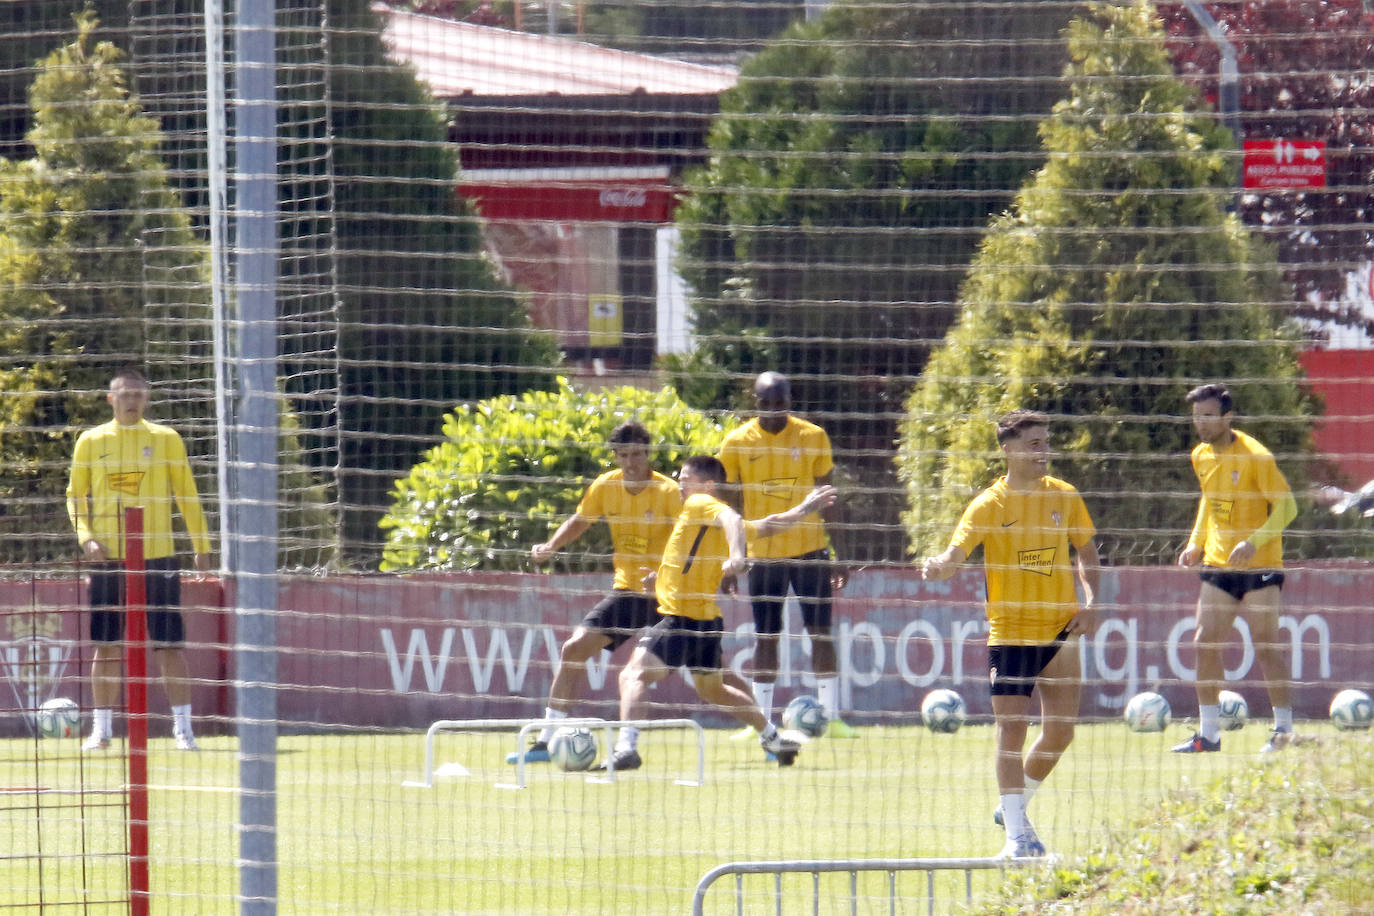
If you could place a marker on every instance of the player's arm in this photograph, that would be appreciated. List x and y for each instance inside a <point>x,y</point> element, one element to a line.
<point>1192,554</point>
<point>1282,510</point>
<point>943,565</point>
<point>1089,567</point>
<point>736,538</point>
<point>188,501</point>
<point>573,527</point>
<point>819,499</point>
<point>79,502</point>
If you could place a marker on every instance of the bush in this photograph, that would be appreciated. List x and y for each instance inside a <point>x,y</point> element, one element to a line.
<point>510,468</point>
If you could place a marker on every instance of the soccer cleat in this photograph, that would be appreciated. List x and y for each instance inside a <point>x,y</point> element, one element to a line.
<point>784,749</point>
<point>1198,745</point>
<point>839,728</point>
<point>747,733</point>
<point>538,753</point>
<point>1025,846</point>
<point>1278,740</point>
<point>186,742</point>
<point>96,742</point>
<point>627,759</point>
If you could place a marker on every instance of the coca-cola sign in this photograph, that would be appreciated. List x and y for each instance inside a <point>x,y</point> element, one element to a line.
<point>623,198</point>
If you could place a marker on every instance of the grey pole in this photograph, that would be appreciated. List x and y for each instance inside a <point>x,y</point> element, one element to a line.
<point>1228,73</point>
<point>254,542</point>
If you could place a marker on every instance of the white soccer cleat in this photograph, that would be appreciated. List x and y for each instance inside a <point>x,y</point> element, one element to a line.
<point>1278,740</point>
<point>1025,846</point>
<point>186,742</point>
<point>96,742</point>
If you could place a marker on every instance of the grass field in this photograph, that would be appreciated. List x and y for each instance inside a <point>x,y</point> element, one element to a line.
<point>354,840</point>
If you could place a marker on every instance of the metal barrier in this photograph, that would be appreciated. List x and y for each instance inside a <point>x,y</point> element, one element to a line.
<point>527,725</point>
<point>853,867</point>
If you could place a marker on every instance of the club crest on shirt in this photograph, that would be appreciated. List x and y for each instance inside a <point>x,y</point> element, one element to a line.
<point>1235,478</point>
<point>1057,517</point>
<point>147,453</point>
<point>796,454</point>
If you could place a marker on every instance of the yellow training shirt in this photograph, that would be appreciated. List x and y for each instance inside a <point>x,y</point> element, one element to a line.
<point>690,574</point>
<point>1239,485</point>
<point>640,522</point>
<point>115,467</point>
<point>775,472</point>
<point>1026,536</point>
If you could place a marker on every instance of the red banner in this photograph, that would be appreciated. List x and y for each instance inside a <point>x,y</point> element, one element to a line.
<point>1285,164</point>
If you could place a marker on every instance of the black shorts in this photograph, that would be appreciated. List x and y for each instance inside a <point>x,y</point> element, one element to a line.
<point>1239,582</point>
<point>1013,670</point>
<point>679,641</point>
<point>808,576</point>
<point>164,591</point>
<point>620,615</point>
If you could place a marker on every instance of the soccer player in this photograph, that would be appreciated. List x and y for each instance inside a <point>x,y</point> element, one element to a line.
<point>1245,505</point>
<point>708,546</point>
<point>1027,521</point>
<point>129,462</point>
<point>639,505</point>
<point>771,462</point>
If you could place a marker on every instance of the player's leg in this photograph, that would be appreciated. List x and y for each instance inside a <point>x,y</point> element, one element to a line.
<point>654,658</point>
<point>1216,615</point>
<point>810,580</point>
<point>1059,685</point>
<point>107,633</point>
<point>1010,712</point>
<point>1262,609</point>
<point>768,584</point>
<point>704,658</point>
<point>167,633</point>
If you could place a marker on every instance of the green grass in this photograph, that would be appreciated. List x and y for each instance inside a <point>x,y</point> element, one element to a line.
<point>354,840</point>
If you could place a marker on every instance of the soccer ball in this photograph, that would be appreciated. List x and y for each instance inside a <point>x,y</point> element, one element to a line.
<point>58,718</point>
<point>806,715</point>
<point>1234,710</point>
<point>1148,712</point>
<point>573,749</point>
<point>943,711</point>
<point>1352,710</point>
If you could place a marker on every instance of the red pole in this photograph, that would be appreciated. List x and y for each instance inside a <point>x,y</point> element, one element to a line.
<point>136,642</point>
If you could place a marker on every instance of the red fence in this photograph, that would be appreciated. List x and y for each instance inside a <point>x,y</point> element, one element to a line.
<point>399,652</point>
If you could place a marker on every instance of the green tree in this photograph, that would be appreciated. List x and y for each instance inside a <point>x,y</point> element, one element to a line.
<point>510,468</point>
<point>850,178</point>
<point>1116,282</point>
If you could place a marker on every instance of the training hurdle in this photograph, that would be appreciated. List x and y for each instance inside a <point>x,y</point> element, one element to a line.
<point>852,867</point>
<point>525,726</point>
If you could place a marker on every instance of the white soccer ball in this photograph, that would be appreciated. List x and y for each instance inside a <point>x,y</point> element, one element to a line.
<point>58,718</point>
<point>573,749</point>
<point>806,715</point>
<point>1235,712</point>
<point>943,711</point>
<point>1148,712</point>
<point>1352,710</point>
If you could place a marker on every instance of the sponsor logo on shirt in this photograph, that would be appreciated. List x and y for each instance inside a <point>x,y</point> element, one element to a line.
<point>780,488</point>
<point>1039,560</point>
<point>126,482</point>
<point>1221,510</point>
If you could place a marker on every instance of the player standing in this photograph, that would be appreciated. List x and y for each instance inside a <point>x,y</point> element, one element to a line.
<point>640,506</point>
<point>1237,537</point>
<point>1026,522</point>
<point>124,463</point>
<point>708,546</point>
<point>772,461</point>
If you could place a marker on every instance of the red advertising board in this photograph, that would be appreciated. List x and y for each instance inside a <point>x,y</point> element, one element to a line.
<point>619,200</point>
<point>1284,163</point>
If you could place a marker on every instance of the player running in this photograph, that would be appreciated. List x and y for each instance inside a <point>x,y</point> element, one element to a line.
<point>639,505</point>
<point>708,546</point>
<point>1245,505</point>
<point>1026,522</point>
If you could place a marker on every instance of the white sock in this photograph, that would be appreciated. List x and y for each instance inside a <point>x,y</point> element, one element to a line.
<point>1014,814</point>
<point>828,692</point>
<point>628,739</point>
<point>1283,718</point>
<point>102,723</point>
<point>1029,792</point>
<point>547,731</point>
<point>181,719</point>
<point>763,695</point>
<point>1210,725</point>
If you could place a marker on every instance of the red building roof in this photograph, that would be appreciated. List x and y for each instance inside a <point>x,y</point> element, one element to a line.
<point>459,58</point>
